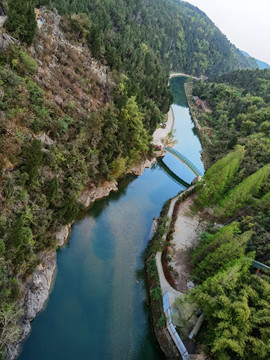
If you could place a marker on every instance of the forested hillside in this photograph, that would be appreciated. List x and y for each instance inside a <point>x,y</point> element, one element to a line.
<point>79,100</point>
<point>234,199</point>
<point>240,104</point>
<point>261,64</point>
<point>240,117</point>
<point>67,123</point>
<point>181,35</point>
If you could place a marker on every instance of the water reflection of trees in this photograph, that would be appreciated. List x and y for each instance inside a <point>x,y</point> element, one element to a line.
<point>177,87</point>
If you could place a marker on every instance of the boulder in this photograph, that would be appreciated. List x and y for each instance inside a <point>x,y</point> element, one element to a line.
<point>45,139</point>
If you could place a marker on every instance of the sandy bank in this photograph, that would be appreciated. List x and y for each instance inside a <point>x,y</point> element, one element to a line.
<point>161,133</point>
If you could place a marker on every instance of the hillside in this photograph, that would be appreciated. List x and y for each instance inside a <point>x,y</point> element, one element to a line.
<point>214,237</point>
<point>260,64</point>
<point>181,35</point>
<point>233,202</point>
<point>67,124</point>
<point>79,101</point>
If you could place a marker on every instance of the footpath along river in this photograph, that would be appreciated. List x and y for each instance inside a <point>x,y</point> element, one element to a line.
<point>97,309</point>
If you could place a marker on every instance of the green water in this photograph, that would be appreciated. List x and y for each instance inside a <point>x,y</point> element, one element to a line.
<point>97,309</point>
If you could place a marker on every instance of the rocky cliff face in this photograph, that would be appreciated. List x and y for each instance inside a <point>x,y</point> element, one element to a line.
<point>35,294</point>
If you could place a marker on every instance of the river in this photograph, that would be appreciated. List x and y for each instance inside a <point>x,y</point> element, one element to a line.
<point>97,309</point>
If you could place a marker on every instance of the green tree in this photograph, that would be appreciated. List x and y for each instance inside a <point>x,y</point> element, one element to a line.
<point>242,194</point>
<point>219,177</point>
<point>9,327</point>
<point>21,21</point>
<point>133,136</point>
<point>33,156</point>
<point>81,24</point>
<point>227,251</point>
<point>53,188</point>
<point>210,242</point>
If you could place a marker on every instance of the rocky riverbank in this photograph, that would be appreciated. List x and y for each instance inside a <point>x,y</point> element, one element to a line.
<point>36,289</point>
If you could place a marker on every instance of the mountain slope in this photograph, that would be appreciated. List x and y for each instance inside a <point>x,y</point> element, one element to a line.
<point>181,35</point>
<point>261,64</point>
<point>232,293</point>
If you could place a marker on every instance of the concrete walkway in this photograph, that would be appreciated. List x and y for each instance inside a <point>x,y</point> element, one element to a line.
<point>164,285</point>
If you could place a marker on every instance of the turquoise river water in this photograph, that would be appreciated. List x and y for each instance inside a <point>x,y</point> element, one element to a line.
<point>97,309</point>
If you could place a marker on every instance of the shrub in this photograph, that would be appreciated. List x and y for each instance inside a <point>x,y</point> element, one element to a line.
<point>156,293</point>
<point>29,63</point>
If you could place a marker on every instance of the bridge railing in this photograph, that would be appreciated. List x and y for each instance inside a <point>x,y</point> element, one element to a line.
<point>182,157</point>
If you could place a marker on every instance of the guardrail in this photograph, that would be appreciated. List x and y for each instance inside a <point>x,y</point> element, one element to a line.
<point>185,160</point>
<point>170,327</point>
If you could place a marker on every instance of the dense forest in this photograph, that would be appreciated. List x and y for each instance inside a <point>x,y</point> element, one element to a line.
<point>181,35</point>
<point>79,100</point>
<point>234,199</point>
<point>240,104</point>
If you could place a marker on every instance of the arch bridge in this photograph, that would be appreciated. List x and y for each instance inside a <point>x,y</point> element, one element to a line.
<point>184,160</point>
<point>171,174</point>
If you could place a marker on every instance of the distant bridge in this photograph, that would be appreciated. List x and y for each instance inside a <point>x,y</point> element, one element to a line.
<point>172,75</point>
<point>184,160</point>
<point>171,174</point>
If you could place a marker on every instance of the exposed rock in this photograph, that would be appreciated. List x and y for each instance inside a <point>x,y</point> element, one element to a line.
<point>160,153</point>
<point>6,40</point>
<point>139,168</point>
<point>45,139</point>
<point>88,196</point>
<point>2,20</point>
<point>40,284</point>
<point>36,294</point>
<point>62,235</point>
<point>190,285</point>
<point>59,100</point>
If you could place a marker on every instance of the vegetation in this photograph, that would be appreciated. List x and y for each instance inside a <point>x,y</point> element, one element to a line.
<point>240,115</point>
<point>69,121</point>
<point>21,21</point>
<point>65,124</point>
<point>128,33</point>
<point>234,300</point>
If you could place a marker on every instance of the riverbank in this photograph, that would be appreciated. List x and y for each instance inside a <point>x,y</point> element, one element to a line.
<point>160,134</point>
<point>37,287</point>
<point>182,229</point>
<point>204,132</point>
